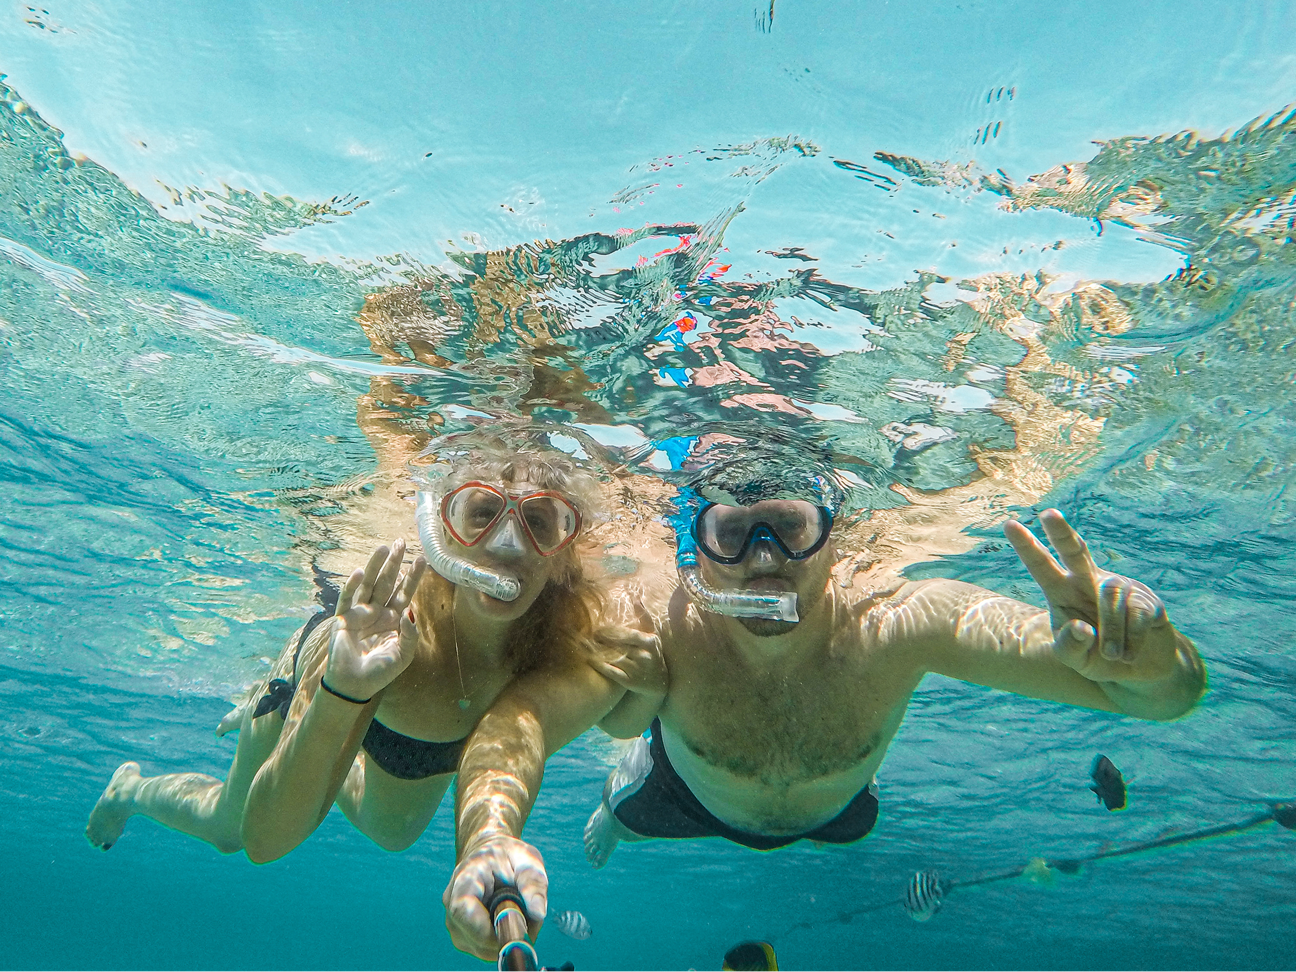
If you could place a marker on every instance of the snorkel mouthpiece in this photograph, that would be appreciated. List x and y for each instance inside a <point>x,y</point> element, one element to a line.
<point>735,604</point>
<point>457,570</point>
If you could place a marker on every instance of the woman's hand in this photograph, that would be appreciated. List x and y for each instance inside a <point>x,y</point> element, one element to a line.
<point>496,861</point>
<point>1107,627</point>
<point>376,637</point>
<point>631,659</point>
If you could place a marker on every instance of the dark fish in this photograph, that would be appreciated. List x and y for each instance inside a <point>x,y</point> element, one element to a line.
<point>574,925</point>
<point>925,896</point>
<point>750,957</point>
<point>1285,814</point>
<point>1108,783</point>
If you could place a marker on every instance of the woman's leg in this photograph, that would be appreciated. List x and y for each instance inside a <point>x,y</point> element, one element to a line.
<point>391,812</point>
<point>194,803</point>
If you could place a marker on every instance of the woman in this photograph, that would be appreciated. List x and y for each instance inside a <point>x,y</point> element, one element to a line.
<point>373,707</point>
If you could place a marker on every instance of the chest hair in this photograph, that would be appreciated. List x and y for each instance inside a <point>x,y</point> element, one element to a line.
<point>782,727</point>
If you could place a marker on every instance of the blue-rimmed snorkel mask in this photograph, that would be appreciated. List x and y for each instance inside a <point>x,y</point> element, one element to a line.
<point>726,534</point>
<point>734,604</point>
<point>817,490</point>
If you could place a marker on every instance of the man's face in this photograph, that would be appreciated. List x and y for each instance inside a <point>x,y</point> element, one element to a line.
<point>764,567</point>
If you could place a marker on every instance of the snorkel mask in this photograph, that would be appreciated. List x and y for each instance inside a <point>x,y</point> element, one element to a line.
<point>457,570</point>
<point>482,513</point>
<point>726,531</point>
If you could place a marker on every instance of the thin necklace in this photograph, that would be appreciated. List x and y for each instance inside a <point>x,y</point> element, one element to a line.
<point>464,701</point>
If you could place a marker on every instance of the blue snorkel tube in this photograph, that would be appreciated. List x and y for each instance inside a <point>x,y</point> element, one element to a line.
<point>734,604</point>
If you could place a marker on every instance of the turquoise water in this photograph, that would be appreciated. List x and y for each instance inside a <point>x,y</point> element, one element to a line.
<point>195,205</point>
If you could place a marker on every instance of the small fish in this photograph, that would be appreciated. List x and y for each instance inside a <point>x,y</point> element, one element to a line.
<point>573,924</point>
<point>750,957</point>
<point>1285,814</point>
<point>925,896</point>
<point>1108,783</point>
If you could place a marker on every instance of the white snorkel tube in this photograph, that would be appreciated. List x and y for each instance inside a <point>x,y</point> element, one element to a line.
<point>735,604</point>
<point>457,570</point>
<point>780,606</point>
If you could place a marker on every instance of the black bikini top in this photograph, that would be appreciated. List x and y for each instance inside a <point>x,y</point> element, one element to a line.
<point>407,758</point>
<point>279,693</point>
<point>402,756</point>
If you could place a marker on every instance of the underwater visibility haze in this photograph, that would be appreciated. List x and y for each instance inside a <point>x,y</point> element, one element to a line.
<point>976,259</point>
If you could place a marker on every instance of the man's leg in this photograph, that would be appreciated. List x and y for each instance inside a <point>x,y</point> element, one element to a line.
<point>604,831</point>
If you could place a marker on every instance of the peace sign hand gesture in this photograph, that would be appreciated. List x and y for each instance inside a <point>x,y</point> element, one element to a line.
<point>376,638</point>
<point>1107,627</point>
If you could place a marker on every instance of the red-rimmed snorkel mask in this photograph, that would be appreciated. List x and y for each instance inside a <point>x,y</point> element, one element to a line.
<point>474,511</point>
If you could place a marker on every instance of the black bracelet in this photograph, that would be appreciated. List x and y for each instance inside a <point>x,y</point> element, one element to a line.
<point>345,698</point>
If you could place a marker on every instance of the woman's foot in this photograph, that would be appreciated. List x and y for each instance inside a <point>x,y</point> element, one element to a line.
<point>233,719</point>
<point>115,806</point>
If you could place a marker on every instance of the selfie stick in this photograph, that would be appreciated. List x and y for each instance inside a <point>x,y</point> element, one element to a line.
<point>508,915</point>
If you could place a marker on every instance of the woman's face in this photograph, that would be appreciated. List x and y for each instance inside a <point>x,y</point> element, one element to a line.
<point>507,549</point>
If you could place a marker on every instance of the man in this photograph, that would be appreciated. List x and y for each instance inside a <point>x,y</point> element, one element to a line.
<point>771,731</point>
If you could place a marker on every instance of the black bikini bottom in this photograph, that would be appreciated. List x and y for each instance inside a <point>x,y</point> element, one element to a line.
<point>664,806</point>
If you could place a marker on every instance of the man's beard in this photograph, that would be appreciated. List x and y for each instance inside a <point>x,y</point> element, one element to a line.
<point>770,628</point>
<point>767,627</point>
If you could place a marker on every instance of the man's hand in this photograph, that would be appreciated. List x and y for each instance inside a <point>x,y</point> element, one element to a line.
<point>1105,626</point>
<point>483,868</point>
<point>631,659</point>
<point>376,637</point>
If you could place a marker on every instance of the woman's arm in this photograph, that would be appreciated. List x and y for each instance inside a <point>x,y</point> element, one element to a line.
<point>347,663</point>
<point>295,788</point>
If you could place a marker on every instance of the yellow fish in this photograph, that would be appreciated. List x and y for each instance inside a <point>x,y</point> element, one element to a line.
<point>750,957</point>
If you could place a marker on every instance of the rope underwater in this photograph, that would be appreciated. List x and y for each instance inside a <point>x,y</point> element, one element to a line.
<point>926,891</point>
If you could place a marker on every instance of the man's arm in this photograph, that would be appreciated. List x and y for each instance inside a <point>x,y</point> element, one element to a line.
<point>1105,642</point>
<point>639,669</point>
<point>632,715</point>
<point>503,763</point>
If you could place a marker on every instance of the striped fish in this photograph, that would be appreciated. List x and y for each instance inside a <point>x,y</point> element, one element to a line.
<point>573,924</point>
<point>925,895</point>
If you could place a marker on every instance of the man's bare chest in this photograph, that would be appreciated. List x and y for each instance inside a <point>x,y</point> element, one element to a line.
<point>784,727</point>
